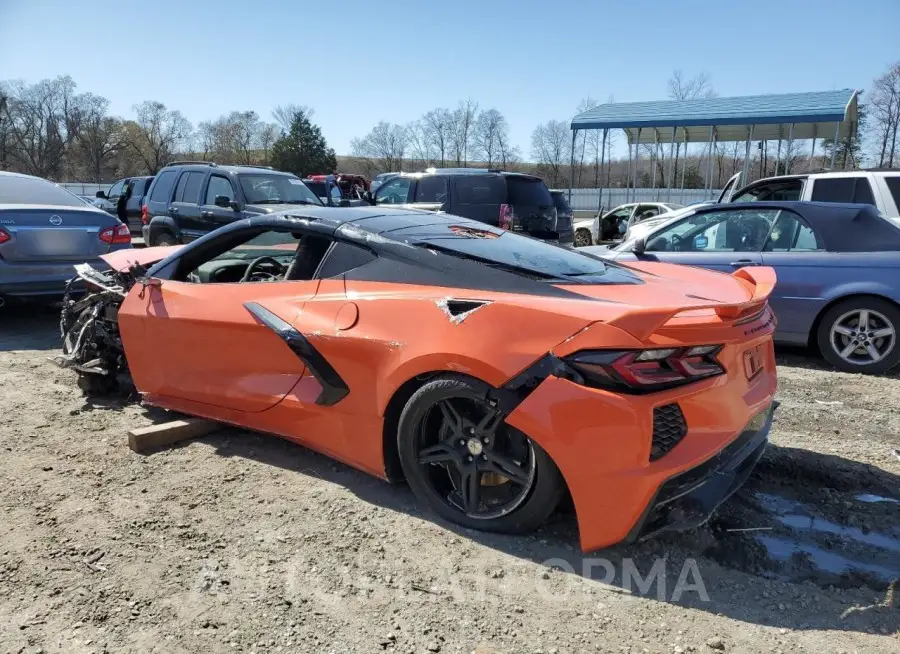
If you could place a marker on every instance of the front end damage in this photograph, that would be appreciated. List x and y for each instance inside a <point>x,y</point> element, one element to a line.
<point>91,344</point>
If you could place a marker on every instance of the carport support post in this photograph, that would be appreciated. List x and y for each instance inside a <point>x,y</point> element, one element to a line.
<point>684,160</point>
<point>778,152</point>
<point>812,151</point>
<point>572,166</point>
<point>834,143</point>
<point>637,154</point>
<point>787,152</point>
<point>671,164</point>
<point>600,171</point>
<point>712,139</point>
<point>654,160</point>
<point>746,171</point>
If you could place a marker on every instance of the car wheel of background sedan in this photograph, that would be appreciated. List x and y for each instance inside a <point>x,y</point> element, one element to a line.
<point>582,238</point>
<point>164,238</point>
<point>860,335</point>
<point>461,459</point>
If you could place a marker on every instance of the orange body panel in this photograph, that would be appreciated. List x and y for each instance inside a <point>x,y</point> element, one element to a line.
<point>197,349</point>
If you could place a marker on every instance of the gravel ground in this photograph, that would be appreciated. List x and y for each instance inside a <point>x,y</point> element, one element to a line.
<point>243,543</point>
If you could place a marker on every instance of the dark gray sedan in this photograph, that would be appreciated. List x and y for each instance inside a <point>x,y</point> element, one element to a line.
<point>45,231</point>
<point>838,268</point>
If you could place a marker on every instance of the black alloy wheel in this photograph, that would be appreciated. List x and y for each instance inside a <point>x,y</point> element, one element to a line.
<point>461,458</point>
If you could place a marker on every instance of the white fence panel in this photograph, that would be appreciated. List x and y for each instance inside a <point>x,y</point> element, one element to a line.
<point>587,199</point>
<point>85,188</point>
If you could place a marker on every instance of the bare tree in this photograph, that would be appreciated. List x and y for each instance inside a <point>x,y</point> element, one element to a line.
<point>585,138</point>
<point>550,148</point>
<point>42,121</point>
<point>420,145</point>
<point>439,128</point>
<point>488,133</point>
<point>463,122</point>
<point>159,134</point>
<point>100,136</point>
<point>885,113</point>
<point>284,114</point>
<point>683,88</point>
<point>266,135</point>
<point>383,148</point>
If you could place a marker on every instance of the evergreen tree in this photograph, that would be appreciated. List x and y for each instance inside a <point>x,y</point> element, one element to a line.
<point>303,150</point>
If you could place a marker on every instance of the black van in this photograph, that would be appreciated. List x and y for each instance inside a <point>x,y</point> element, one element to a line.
<point>514,201</point>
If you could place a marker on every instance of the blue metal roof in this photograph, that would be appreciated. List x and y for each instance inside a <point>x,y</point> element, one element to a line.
<point>783,109</point>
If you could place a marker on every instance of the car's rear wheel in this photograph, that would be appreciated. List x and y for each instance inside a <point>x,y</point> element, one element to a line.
<point>582,238</point>
<point>860,335</point>
<point>461,459</point>
<point>163,239</point>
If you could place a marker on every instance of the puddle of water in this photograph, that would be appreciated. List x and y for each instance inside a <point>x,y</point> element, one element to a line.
<point>875,499</point>
<point>781,549</point>
<point>818,524</point>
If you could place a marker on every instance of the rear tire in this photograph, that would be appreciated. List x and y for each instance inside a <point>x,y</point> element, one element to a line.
<point>514,483</point>
<point>583,238</point>
<point>164,239</point>
<point>860,335</point>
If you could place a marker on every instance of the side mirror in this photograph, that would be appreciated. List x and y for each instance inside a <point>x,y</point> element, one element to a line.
<point>223,201</point>
<point>640,246</point>
<point>234,205</point>
<point>100,194</point>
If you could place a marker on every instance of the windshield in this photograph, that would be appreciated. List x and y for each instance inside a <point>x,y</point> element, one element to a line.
<point>276,189</point>
<point>31,190</point>
<point>508,250</point>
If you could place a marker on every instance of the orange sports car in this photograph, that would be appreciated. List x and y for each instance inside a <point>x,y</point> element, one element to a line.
<point>493,372</point>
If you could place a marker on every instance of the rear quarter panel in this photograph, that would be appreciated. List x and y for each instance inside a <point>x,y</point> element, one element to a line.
<point>809,281</point>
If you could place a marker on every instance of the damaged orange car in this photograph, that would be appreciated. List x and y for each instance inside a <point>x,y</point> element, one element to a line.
<point>493,372</point>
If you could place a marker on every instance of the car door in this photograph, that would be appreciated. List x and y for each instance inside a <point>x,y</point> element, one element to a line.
<point>729,188</point>
<point>137,188</point>
<point>431,193</point>
<point>395,192</point>
<point>723,239</point>
<point>185,205</point>
<point>201,342</point>
<point>804,271</point>
<point>213,216</point>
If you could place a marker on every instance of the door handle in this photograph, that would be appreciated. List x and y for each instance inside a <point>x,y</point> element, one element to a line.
<point>207,214</point>
<point>173,210</point>
<point>742,262</point>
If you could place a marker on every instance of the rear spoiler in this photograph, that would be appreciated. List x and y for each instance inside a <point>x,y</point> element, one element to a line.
<point>759,280</point>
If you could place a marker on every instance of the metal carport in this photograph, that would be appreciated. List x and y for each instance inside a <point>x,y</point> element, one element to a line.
<point>787,116</point>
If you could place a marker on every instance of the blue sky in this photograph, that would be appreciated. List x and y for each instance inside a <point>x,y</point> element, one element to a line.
<point>360,62</point>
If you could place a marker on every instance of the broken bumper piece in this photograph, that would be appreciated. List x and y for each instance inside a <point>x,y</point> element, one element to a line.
<point>689,499</point>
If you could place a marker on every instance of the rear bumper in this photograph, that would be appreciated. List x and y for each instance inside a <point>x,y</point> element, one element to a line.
<point>688,500</point>
<point>602,442</point>
<point>27,279</point>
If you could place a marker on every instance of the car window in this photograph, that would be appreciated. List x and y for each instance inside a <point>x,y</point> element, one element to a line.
<point>276,189</point>
<point>162,189</point>
<point>787,190</point>
<point>645,211</point>
<point>481,189</point>
<point>792,234</point>
<point>432,188</point>
<point>528,191</point>
<point>560,202</point>
<point>744,230</point>
<point>624,212</point>
<point>116,189</point>
<point>843,189</point>
<point>179,190</point>
<point>344,257</point>
<point>395,191</point>
<point>32,190</point>
<point>893,184</point>
<point>189,188</point>
<point>218,185</point>
<point>138,187</point>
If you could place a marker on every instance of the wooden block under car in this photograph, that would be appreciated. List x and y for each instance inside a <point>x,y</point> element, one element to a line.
<point>154,437</point>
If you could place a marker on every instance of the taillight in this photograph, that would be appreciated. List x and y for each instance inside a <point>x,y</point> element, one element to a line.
<point>4,236</point>
<point>506,217</point>
<point>145,215</point>
<point>646,370</point>
<point>116,235</point>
